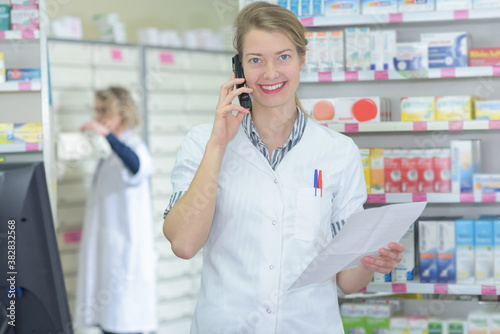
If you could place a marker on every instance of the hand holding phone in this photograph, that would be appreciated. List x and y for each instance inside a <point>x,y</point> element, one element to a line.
<point>245,100</point>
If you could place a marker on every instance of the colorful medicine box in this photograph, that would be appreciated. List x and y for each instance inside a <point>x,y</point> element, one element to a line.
<point>4,17</point>
<point>486,183</point>
<point>447,49</point>
<point>454,108</point>
<point>32,74</point>
<point>484,56</point>
<point>487,110</point>
<point>414,109</point>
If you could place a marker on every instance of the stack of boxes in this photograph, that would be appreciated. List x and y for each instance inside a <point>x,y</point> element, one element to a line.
<point>111,29</point>
<point>19,15</point>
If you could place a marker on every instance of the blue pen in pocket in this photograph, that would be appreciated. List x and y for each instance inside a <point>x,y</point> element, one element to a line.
<point>315,181</point>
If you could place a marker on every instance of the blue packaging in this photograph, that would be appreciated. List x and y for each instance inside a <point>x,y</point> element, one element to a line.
<point>465,247</point>
<point>427,251</point>
<point>31,74</point>
<point>446,252</point>
<point>342,7</point>
<point>447,49</point>
<point>411,57</point>
<point>496,255</point>
<point>483,232</point>
<point>306,8</point>
<point>283,3</point>
<point>317,8</point>
<point>294,6</point>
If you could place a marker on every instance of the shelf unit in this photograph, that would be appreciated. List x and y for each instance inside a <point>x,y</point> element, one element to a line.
<point>17,35</point>
<point>430,288</point>
<point>434,198</point>
<point>423,126</point>
<point>27,86</point>
<point>21,148</point>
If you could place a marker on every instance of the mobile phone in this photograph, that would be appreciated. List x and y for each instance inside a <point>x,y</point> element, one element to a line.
<point>244,98</point>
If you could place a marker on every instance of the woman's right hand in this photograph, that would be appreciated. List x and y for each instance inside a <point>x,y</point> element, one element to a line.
<point>226,124</point>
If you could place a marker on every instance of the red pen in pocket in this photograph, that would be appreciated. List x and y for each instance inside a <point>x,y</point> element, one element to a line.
<point>320,182</point>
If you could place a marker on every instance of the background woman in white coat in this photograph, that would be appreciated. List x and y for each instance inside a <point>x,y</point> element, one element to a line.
<point>116,276</point>
<point>243,190</point>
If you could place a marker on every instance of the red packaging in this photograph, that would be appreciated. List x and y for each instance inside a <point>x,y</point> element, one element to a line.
<point>392,170</point>
<point>409,173</point>
<point>442,170</point>
<point>425,171</point>
<point>484,56</point>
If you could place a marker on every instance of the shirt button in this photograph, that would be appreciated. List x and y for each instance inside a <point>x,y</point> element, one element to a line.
<point>268,310</point>
<point>275,180</point>
<point>271,267</point>
<point>275,222</point>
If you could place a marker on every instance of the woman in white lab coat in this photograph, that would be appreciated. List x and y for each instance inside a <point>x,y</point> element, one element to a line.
<point>116,276</point>
<point>262,192</point>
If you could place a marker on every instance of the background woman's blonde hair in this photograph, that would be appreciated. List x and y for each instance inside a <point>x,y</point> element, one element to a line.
<point>117,100</point>
<point>272,18</point>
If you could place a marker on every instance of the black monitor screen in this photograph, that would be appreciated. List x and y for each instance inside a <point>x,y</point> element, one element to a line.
<point>33,294</point>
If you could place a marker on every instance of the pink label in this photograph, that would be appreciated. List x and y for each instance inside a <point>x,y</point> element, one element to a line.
<point>376,198</point>
<point>395,17</point>
<point>2,34</point>
<point>72,237</point>
<point>381,75</point>
<point>488,197</point>
<point>363,290</point>
<point>116,54</point>
<point>461,14</point>
<point>28,34</point>
<point>31,147</point>
<point>351,127</point>
<point>420,126</point>
<point>325,76</point>
<point>494,125</point>
<point>441,289</point>
<point>467,197</point>
<point>23,86</point>
<point>351,75</point>
<point>488,290</point>
<point>447,72</point>
<point>496,70</point>
<point>399,287</point>
<point>324,124</point>
<point>419,197</point>
<point>167,58</point>
<point>456,125</point>
<point>307,21</point>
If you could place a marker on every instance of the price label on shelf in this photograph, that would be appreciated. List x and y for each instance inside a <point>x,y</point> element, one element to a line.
<point>488,290</point>
<point>441,289</point>
<point>351,127</point>
<point>72,237</point>
<point>351,75</point>
<point>325,76</point>
<point>455,125</point>
<point>116,54</point>
<point>399,287</point>
<point>467,198</point>
<point>420,126</point>
<point>381,75</point>
<point>376,198</point>
<point>488,197</point>
<point>2,34</point>
<point>461,14</point>
<point>24,86</point>
<point>419,197</point>
<point>395,17</point>
<point>307,21</point>
<point>363,290</point>
<point>496,70</point>
<point>494,125</point>
<point>31,147</point>
<point>167,58</point>
<point>447,72</point>
<point>28,34</point>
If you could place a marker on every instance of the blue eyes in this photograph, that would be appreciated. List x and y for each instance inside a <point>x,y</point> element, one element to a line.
<point>284,57</point>
<point>257,60</point>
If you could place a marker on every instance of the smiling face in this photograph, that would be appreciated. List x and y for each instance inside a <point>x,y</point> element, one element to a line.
<point>272,68</point>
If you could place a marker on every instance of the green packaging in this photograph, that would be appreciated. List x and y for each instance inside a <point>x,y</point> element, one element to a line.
<point>4,17</point>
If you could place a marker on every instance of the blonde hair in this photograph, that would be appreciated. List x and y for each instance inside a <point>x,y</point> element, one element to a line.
<point>271,18</point>
<point>117,100</point>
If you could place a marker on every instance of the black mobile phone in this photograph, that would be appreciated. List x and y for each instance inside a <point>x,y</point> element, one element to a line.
<point>244,98</point>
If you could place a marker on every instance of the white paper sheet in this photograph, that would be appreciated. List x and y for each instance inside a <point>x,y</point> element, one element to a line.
<point>364,234</point>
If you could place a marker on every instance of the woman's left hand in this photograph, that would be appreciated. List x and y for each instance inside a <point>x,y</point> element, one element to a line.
<point>387,260</point>
<point>96,127</point>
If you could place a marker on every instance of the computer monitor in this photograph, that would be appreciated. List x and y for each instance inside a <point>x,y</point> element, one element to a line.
<point>33,295</point>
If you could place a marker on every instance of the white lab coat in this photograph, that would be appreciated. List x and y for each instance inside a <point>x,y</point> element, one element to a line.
<point>117,265</point>
<point>268,224</point>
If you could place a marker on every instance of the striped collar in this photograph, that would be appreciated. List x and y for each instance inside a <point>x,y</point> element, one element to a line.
<point>278,153</point>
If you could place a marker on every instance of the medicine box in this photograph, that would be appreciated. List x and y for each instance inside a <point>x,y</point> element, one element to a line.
<point>442,170</point>
<point>447,49</point>
<point>425,169</point>
<point>457,326</point>
<point>487,110</point>
<point>379,6</point>
<point>405,270</point>
<point>483,230</point>
<point>342,7</point>
<point>353,317</point>
<point>365,160</point>
<point>437,326</point>
<point>376,170</point>
<point>305,7</point>
<point>336,50</point>
<point>4,17</point>
<point>486,183</point>
<point>378,318</point>
<point>478,322</point>
<point>416,6</point>
<point>465,241</point>
<point>28,133</point>
<point>318,7</point>
<point>454,108</point>
<point>496,251</point>
<point>465,162</point>
<point>446,252</point>
<point>453,4</point>
<point>411,57</point>
<point>21,19</point>
<point>409,172</point>
<point>344,109</point>
<point>357,49</point>
<point>485,3</point>
<point>32,74</point>
<point>414,109</point>
<point>392,170</point>
<point>382,49</point>
<point>427,250</point>
<point>6,133</point>
<point>484,56</point>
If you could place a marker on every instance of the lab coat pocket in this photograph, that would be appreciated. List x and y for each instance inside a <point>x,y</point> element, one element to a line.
<point>313,214</point>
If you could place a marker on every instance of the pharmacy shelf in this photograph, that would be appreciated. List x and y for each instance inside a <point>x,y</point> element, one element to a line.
<point>388,18</point>
<point>21,147</point>
<point>429,288</point>
<point>414,126</point>
<point>19,34</point>
<point>434,198</point>
<point>435,73</point>
<point>25,86</point>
